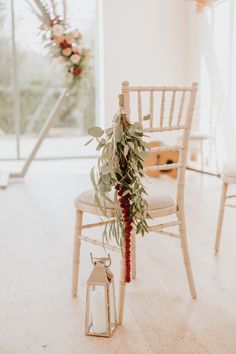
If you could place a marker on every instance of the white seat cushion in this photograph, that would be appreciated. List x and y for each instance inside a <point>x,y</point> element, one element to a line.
<point>199,136</point>
<point>156,200</point>
<point>229,170</point>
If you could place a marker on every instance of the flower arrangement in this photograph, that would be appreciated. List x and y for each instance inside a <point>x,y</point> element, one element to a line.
<point>117,180</point>
<point>64,42</point>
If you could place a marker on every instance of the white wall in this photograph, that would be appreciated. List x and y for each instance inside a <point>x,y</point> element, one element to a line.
<point>211,43</point>
<point>144,43</point>
<point>168,42</point>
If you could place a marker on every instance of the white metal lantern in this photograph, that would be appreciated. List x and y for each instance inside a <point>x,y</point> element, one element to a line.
<point>101,319</point>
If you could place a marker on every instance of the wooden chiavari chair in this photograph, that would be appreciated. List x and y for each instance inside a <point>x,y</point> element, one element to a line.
<point>176,107</point>
<point>228,177</point>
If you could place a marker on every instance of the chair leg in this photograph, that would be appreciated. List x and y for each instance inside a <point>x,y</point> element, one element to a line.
<point>133,255</point>
<point>202,155</point>
<point>220,217</point>
<point>186,257</point>
<point>122,291</point>
<point>76,255</point>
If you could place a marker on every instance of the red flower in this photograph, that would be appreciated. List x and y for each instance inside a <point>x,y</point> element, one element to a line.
<point>64,45</point>
<point>77,70</point>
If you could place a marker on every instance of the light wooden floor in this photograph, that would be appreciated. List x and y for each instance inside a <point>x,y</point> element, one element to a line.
<point>37,312</point>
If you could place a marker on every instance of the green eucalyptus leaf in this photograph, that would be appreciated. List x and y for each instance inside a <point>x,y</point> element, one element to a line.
<point>99,205</point>
<point>131,145</point>
<point>125,193</point>
<point>147,117</point>
<point>145,145</point>
<point>106,178</point>
<point>118,134</point>
<point>109,131</point>
<point>143,154</point>
<point>88,142</point>
<point>126,150</point>
<point>93,179</point>
<point>137,126</point>
<point>105,169</point>
<point>99,146</point>
<point>96,132</point>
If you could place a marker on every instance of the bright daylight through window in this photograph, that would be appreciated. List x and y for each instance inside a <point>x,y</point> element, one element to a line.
<point>31,80</point>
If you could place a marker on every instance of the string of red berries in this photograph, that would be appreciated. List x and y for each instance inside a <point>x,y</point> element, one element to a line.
<point>124,201</point>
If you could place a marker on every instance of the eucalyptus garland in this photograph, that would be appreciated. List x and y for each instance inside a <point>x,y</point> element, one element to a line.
<point>117,180</point>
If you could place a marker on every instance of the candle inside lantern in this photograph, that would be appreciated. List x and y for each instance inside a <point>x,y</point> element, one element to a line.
<point>98,310</point>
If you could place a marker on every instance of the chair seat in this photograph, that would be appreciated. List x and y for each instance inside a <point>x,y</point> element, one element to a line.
<point>228,173</point>
<point>199,136</point>
<point>156,200</point>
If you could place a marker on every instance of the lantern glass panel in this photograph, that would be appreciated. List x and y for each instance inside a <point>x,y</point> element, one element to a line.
<point>112,301</point>
<point>98,309</point>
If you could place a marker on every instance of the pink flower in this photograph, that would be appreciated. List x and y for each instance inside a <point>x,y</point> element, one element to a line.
<point>58,39</point>
<point>77,34</point>
<point>76,49</point>
<point>71,70</point>
<point>75,58</point>
<point>86,53</point>
<point>69,39</point>
<point>61,60</point>
<point>67,52</point>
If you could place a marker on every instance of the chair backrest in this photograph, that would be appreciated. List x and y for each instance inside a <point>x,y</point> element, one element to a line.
<point>170,110</point>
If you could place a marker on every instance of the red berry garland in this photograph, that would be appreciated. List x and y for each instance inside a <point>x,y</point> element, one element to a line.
<point>125,207</point>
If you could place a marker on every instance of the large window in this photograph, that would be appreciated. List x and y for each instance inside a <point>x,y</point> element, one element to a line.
<point>30,79</point>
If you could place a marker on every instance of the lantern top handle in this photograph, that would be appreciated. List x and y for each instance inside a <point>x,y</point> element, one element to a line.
<point>101,260</point>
